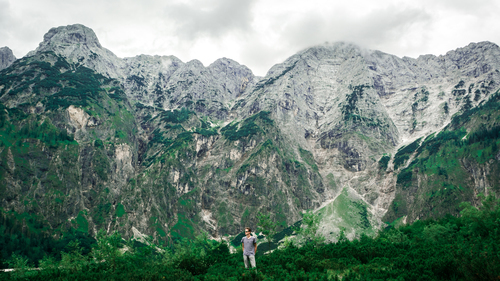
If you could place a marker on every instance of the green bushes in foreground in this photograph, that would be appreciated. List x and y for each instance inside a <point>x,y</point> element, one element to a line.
<point>463,248</point>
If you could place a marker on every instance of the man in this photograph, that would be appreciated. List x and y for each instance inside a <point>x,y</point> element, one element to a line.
<point>249,246</point>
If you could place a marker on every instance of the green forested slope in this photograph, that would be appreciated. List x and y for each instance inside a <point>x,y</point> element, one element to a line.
<point>451,248</point>
<point>55,168</point>
<point>446,168</point>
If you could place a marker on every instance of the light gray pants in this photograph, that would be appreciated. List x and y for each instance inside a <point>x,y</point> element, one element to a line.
<point>249,260</point>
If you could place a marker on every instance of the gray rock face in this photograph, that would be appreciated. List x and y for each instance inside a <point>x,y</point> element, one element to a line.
<point>422,94</point>
<point>168,83</point>
<point>6,57</point>
<point>79,44</point>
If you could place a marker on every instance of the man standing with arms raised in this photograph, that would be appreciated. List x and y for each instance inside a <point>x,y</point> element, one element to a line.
<point>249,246</point>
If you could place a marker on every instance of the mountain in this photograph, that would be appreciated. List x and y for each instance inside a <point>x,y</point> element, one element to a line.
<point>6,57</point>
<point>153,145</point>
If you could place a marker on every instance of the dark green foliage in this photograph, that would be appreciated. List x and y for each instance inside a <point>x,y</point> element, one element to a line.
<point>404,178</point>
<point>400,160</point>
<point>467,105</point>
<point>44,131</point>
<point>58,84</point>
<point>268,227</point>
<point>139,105</point>
<point>175,116</point>
<point>308,158</point>
<point>357,119</point>
<point>271,80</point>
<point>404,153</point>
<point>98,143</point>
<point>444,137</point>
<point>100,212</point>
<point>207,133</point>
<point>409,149</point>
<point>32,74</point>
<point>84,87</point>
<point>27,235</point>
<point>206,130</point>
<point>101,164</point>
<point>420,97</point>
<point>248,126</point>
<point>491,104</point>
<point>170,135</point>
<point>384,162</point>
<point>181,139</point>
<point>477,95</point>
<point>460,92</point>
<point>452,248</point>
<point>159,138</point>
<point>363,212</point>
<point>3,115</point>
<point>117,94</point>
<point>484,134</point>
<point>350,109</point>
<point>139,81</point>
<point>460,84</point>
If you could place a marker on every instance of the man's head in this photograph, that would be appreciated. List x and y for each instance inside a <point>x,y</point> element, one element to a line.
<point>248,230</point>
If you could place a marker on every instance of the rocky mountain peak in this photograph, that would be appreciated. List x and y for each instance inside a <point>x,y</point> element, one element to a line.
<point>337,50</point>
<point>195,64</point>
<point>228,66</point>
<point>474,47</point>
<point>225,63</point>
<point>79,44</point>
<point>6,57</point>
<point>70,34</point>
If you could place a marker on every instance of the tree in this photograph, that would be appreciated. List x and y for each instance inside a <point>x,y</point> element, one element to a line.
<point>20,264</point>
<point>107,248</point>
<point>268,227</point>
<point>310,226</point>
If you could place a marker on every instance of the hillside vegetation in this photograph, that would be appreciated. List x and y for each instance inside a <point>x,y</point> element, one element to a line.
<point>448,167</point>
<point>451,248</point>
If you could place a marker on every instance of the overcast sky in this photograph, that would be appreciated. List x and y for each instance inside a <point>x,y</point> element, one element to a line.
<point>256,33</point>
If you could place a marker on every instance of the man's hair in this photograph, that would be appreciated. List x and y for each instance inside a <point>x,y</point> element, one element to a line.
<point>248,228</point>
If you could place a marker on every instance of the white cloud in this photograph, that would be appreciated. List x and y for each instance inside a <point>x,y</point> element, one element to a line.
<point>257,33</point>
<point>213,18</point>
<point>5,20</point>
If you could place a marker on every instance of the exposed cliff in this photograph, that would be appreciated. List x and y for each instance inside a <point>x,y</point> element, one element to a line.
<point>6,57</point>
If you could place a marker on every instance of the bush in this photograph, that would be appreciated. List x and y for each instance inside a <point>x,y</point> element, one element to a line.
<point>452,248</point>
<point>248,127</point>
<point>404,178</point>
<point>384,162</point>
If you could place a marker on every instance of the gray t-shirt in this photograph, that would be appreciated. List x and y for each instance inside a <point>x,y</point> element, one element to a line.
<point>249,245</point>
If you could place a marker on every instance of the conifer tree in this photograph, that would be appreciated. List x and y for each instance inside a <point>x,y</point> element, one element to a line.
<point>268,227</point>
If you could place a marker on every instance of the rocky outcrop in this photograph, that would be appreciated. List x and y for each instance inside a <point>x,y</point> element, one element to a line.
<point>422,94</point>
<point>168,83</point>
<point>78,44</point>
<point>6,57</point>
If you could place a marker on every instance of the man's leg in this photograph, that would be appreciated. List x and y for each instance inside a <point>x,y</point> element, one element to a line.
<point>245,259</point>
<point>252,261</point>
